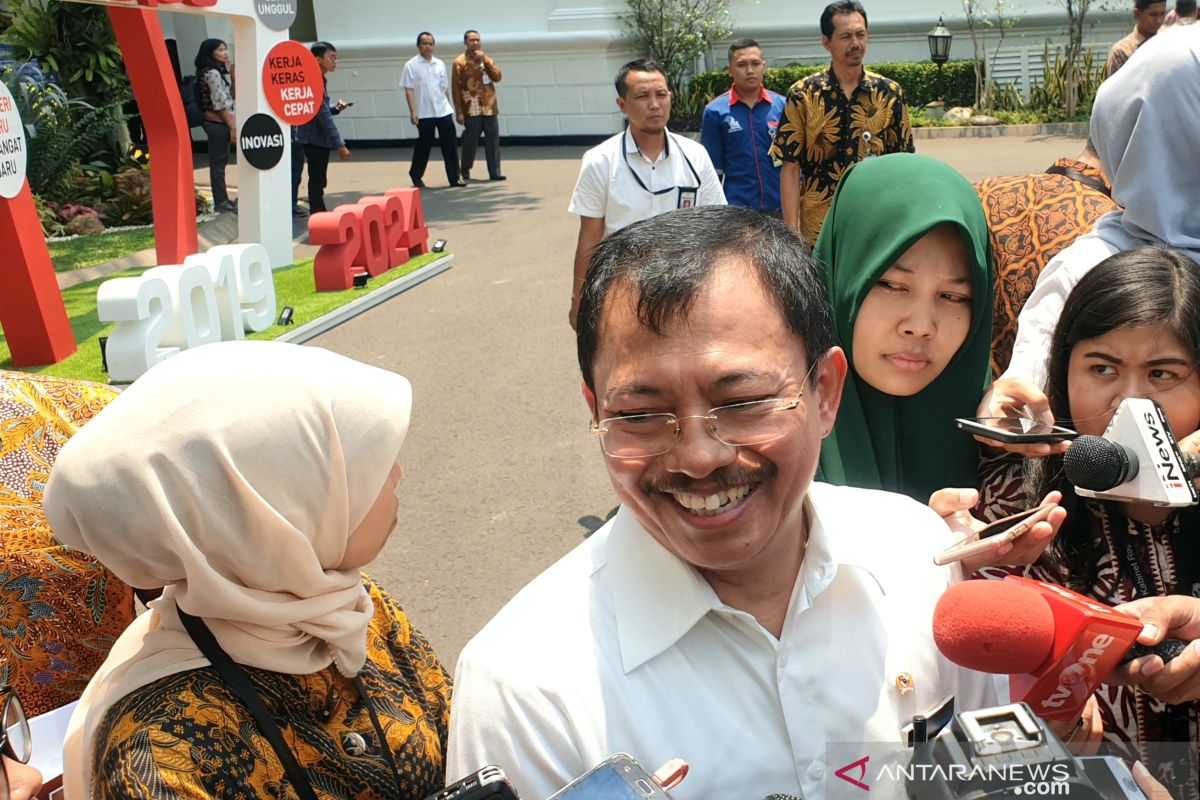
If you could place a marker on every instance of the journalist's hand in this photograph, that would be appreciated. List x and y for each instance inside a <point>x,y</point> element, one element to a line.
<point>1169,617</point>
<point>1017,397</point>
<point>954,507</point>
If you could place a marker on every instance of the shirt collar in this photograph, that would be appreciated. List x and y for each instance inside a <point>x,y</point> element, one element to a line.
<point>632,147</point>
<point>734,99</point>
<point>658,598</point>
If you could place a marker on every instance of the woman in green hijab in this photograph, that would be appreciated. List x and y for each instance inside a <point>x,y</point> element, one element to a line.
<point>909,273</point>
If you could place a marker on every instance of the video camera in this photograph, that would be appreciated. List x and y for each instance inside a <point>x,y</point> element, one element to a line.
<point>1007,751</point>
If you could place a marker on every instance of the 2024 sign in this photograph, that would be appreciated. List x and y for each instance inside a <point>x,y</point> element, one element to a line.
<point>375,234</point>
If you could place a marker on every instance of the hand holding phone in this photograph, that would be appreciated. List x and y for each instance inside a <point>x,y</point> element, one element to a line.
<point>987,539</point>
<point>1015,430</point>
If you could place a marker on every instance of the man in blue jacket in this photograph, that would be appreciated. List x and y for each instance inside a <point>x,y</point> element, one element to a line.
<point>320,136</point>
<point>738,129</point>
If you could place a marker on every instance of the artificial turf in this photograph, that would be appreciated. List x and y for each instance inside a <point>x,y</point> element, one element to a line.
<point>293,287</point>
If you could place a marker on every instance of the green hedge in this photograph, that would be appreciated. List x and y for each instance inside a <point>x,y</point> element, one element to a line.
<point>920,81</point>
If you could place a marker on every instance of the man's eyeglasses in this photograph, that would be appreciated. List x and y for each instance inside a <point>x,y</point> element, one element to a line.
<point>737,425</point>
<point>15,740</point>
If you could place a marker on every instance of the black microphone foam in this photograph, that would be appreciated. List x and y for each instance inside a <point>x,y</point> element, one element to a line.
<point>1098,464</point>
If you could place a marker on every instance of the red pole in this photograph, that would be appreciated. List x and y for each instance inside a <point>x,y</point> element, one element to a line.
<point>173,191</point>
<point>31,306</point>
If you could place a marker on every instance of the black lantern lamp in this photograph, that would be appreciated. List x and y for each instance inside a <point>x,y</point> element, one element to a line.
<point>939,50</point>
<point>939,44</point>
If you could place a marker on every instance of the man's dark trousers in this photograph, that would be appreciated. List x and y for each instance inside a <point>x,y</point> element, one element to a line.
<point>490,127</point>
<point>318,175</point>
<point>446,135</point>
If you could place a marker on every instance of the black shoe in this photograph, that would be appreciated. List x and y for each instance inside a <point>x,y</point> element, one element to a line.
<point>459,182</point>
<point>299,213</point>
<point>466,175</point>
<point>498,178</point>
<point>225,207</point>
<point>418,183</point>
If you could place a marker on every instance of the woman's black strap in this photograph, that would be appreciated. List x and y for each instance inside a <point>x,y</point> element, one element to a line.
<point>239,682</point>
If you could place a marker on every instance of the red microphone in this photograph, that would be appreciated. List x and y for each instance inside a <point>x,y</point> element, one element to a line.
<point>1057,646</point>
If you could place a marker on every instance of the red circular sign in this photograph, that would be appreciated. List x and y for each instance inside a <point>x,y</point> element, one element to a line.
<point>292,82</point>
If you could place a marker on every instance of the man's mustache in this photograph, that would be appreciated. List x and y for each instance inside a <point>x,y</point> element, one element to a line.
<point>722,478</point>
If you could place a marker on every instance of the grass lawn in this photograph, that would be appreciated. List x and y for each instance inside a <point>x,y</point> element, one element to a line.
<point>293,287</point>
<point>84,251</point>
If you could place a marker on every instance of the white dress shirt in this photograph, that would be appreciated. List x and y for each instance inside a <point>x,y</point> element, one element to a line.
<point>621,185</point>
<point>623,647</point>
<point>1039,316</point>
<point>429,83</point>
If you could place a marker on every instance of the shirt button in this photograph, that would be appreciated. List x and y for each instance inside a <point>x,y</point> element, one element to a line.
<point>816,770</point>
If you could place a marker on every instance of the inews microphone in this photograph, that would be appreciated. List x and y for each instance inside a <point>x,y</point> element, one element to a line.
<point>1057,646</point>
<point>1137,459</point>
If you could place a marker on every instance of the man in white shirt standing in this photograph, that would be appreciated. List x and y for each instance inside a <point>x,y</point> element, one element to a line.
<point>431,108</point>
<point>642,171</point>
<point>733,613</point>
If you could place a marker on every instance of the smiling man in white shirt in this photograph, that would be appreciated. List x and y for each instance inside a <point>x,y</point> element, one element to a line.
<point>733,613</point>
<point>430,108</point>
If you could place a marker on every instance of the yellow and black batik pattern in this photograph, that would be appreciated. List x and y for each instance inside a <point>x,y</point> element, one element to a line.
<point>826,133</point>
<point>188,736</point>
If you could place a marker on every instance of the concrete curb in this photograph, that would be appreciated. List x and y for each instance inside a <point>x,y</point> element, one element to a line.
<point>222,230</point>
<point>311,330</point>
<point>989,131</point>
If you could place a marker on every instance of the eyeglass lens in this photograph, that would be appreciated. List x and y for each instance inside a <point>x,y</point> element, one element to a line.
<point>16,728</point>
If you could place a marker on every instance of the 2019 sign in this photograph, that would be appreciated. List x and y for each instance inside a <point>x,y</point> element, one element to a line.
<point>374,235</point>
<point>212,297</point>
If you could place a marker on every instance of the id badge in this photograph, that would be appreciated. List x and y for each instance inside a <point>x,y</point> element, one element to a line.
<point>687,198</point>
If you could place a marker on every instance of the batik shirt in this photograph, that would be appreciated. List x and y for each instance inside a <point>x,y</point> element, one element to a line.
<point>1122,50</point>
<point>1031,218</point>
<point>1167,556</point>
<point>60,610</point>
<point>188,736</point>
<point>473,86</point>
<point>826,133</point>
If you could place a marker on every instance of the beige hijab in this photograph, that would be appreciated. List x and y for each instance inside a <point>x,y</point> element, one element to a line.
<point>232,475</point>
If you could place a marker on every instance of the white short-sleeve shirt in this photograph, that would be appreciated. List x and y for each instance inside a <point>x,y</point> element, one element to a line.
<point>621,185</point>
<point>623,647</point>
<point>429,83</point>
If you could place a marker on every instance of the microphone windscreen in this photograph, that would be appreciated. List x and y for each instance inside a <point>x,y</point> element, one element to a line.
<point>1096,464</point>
<point>996,627</point>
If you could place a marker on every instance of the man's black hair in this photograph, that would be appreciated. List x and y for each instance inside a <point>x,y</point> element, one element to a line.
<point>640,65</point>
<point>840,7</point>
<point>665,261</point>
<point>425,33</point>
<point>468,32</point>
<point>740,44</point>
<point>319,49</point>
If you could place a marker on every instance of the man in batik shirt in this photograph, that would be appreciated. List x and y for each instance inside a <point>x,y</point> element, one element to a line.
<point>835,119</point>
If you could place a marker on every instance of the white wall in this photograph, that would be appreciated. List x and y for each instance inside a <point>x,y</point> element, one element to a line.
<point>559,56</point>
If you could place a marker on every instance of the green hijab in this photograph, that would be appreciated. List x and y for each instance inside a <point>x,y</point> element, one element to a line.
<point>905,444</point>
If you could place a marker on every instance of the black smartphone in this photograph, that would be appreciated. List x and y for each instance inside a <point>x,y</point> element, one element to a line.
<point>1015,430</point>
<point>489,783</point>
<point>618,777</point>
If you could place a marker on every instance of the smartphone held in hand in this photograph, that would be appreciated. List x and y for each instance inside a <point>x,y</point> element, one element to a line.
<point>1002,530</point>
<point>1015,430</point>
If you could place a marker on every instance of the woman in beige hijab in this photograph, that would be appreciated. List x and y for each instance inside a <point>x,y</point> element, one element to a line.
<point>250,481</point>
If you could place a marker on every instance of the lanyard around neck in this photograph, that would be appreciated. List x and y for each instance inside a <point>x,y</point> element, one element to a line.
<point>667,150</point>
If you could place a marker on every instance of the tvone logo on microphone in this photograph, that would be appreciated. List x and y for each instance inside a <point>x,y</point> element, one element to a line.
<point>1080,675</point>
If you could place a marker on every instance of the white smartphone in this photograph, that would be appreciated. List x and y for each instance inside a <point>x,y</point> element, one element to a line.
<point>1002,530</point>
<point>618,777</point>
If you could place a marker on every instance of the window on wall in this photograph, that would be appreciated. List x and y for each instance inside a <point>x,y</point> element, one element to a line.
<point>304,29</point>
